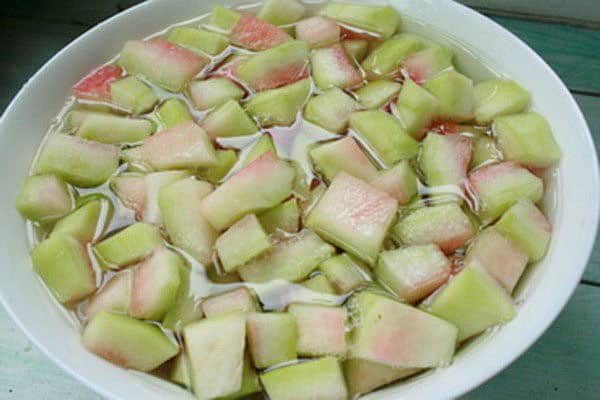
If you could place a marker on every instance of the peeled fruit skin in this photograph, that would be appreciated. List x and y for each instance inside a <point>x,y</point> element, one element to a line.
<point>445,159</point>
<point>64,266</point>
<point>127,342</point>
<point>345,273</point>
<point>354,215</point>
<point>427,63</point>
<point>473,301</point>
<point>254,34</point>
<point>382,21</point>
<point>44,198</point>
<point>331,67</point>
<point>318,31</point>
<point>113,296</point>
<point>416,108</point>
<point>343,155</point>
<point>497,97</point>
<point>173,112</point>
<point>272,338</point>
<point>400,182</point>
<point>133,94</point>
<point>87,223</point>
<point>365,376</point>
<point>235,300</point>
<point>378,93</point>
<point>214,92</point>
<point>321,329</point>
<point>331,110</point>
<point>229,119</point>
<point>315,379</point>
<point>128,246</point>
<point>112,129</point>
<point>226,159</point>
<point>387,57</point>
<point>199,40</point>
<point>285,217</point>
<point>279,106</point>
<point>242,242</point>
<point>455,94</point>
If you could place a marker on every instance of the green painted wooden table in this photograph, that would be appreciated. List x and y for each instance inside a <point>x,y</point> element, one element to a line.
<point>563,364</point>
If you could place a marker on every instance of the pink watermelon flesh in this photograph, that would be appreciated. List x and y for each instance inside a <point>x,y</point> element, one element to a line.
<point>255,34</point>
<point>425,64</point>
<point>331,67</point>
<point>96,84</point>
<point>318,31</point>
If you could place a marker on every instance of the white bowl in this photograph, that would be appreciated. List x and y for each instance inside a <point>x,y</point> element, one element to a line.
<point>572,203</point>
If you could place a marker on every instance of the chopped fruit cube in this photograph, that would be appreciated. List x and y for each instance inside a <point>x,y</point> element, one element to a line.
<point>229,119</point>
<point>272,338</point>
<point>223,18</point>
<point>130,188</point>
<point>331,67</point>
<point>355,216</point>
<point>281,12</point>
<point>500,257</point>
<point>445,225</point>
<point>226,159</point>
<point>444,159</point>
<point>179,371</point>
<point>78,161</point>
<point>87,223</point>
<point>240,299</point>
<point>128,246</point>
<point>155,285</point>
<point>133,94</point>
<point>45,198</point>
<point>365,376</point>
<point>319,283</point>
<point>250,382</point>
<point>377,94</point>
<point>497,97</point>
<point>331,110</point>
<point>315,379</point>
<point>499,186</point>
<point>214,92</point>
<point>527,139</point>
<point>162,63</point>
<point>292,259</point>
<point>187,307</point>
<point>385,135</point>
<point>382,21</point>
<point>386,58</point>
<point>215,349</point>
<point>484,151</point>
<point>321,329</point>
<point>427,63</point>
<point>284,217</point>
<point>127,342</point>
<point>113,296</point>
<point>255,34</point>
<point>398,335</point>
<point>400,182</point>
<point>107,128</point>
<point>416,108</point>
<point>455,94</point>
<point>262,146</point>
<point>318,32</point>
<point>262,184</point>
<point>356,48</point>
<point>413,272</point>
<point>526,226</point>
<point>472,301</point>
<point>344,155</point>
<point>345,273</point>
<point>279,106</point>
<point>96,85</point>
<point>242,242</point>
<point>173,112</point>
<point>153,183</point>
<point>64,266</point>
<point>199,40</point>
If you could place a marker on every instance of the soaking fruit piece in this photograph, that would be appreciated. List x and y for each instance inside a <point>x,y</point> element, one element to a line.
<point>416,108</point>
<point>108,128</point>
<point>319,283</point>
<point>279,106</point>
<point>237,300</point>
<point>365,376</point>
<point>455,94</point>
<point>128,246</point>
<point>315,379</point>
<point>427,63</point>
<point>527,139</point>
<point>377,94</point>
<point>64,266</point>
<point>385,135</point>
<point>445,225</point>
<point>499,186</point>
<point>161,62</point>
<point>223,18</point>
<point>185,146</point>
<point>96,84</point>
<point>331,110</point>
<point>44,198</point>
<point>444,159</point>
<point>179,204</point>
<point>318,32</point>
<point>473,301</point>
<point>113,296</point>
<point>255,34</point>
<point>242,242</point>
<point>187,307</point>
<point>260,185</point>
<point>345,273</point>
<point>229,119</point>
<point>355,216</point>
<point>386,58</point>
<point>284,217</point>
<point>382,21</point>
<point>87,223</point>
<point>397,335</point>
<point>497,97</point>
<point>179,371</point>
<point>215,348</point>
<point>292,259</point>
<point>260,147</point>
<point>127,342</point>
<point>331,67</point>
<point>281,12</point>
<point>78,161</point>
<point>173,112</point>
<point>400,182</point>
<point>226,159</point>
<point>413,272</point>
<point>485,151</point>
<point>153,183</point>
<point>250,382</point>
<point>132,94</point>
<point>344,155</point>
<point>526,226</point>
<point>206,42</point>
<point>500,257</point>
<point>130,188</point>
<point>272,338</point>
<point>321,329</point>
<point>356,48</point>
<point>214,92</point>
